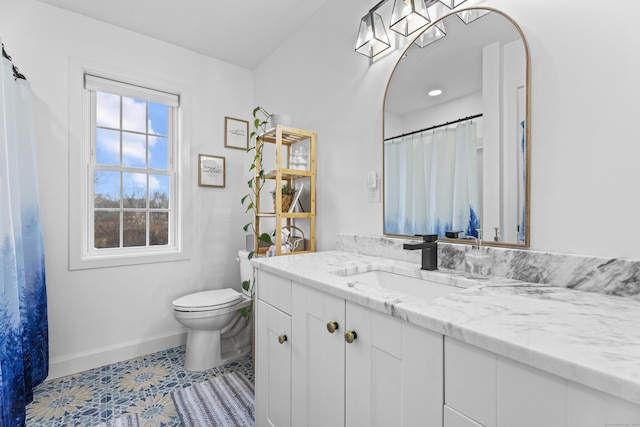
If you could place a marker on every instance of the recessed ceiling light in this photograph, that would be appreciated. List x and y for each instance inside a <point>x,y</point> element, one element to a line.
<point>435,92</point>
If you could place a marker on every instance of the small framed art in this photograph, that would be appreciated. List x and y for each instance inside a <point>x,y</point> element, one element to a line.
<point>211,171</point>
<point>236,133</point>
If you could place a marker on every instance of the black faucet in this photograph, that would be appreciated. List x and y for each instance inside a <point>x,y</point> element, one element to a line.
<point>429,251</point>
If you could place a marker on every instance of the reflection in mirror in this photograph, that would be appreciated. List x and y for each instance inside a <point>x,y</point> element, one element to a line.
<point>458,162</point>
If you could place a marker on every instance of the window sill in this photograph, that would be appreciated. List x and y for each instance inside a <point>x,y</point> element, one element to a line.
<point>121,260</point>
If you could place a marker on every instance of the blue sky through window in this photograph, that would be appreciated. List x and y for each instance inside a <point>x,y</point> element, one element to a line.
<point>131,133</point>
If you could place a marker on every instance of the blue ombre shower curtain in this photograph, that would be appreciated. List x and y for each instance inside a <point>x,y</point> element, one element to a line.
<point>431,182</point>
<point>24,350</point>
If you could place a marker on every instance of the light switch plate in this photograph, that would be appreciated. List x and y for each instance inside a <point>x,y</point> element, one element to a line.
<point>373,194</point>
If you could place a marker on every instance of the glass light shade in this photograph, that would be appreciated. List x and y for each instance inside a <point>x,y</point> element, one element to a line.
<point>409,16</point>
<point>431,34</point>
<point>452,4</point>
<point>471,15</point>
<point>372,37</point>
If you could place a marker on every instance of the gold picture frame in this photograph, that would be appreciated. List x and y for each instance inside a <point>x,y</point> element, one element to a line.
<point>211,171</point>
<point>236,133</point>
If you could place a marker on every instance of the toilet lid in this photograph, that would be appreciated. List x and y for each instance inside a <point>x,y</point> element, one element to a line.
<point>207,300</point>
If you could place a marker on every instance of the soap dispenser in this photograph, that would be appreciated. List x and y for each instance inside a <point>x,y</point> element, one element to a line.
<point>479,261</point>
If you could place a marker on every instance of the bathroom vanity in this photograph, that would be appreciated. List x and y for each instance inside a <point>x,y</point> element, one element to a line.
<point>348,340</point>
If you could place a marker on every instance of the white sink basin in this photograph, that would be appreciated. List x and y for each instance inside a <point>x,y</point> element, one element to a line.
<point>405,284</point>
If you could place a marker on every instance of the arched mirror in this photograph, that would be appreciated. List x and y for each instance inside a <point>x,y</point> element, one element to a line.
<point>458,161</point>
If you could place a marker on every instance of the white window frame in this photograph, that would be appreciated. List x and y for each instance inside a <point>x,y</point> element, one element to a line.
<point>84,80</point>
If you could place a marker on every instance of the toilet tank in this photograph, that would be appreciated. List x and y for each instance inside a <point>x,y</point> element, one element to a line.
<point>246,271</point>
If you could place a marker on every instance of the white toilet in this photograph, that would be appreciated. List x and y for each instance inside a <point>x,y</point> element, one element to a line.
<point>216,332</point>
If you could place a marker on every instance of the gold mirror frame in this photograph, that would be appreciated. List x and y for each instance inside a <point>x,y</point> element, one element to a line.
<point>527,131</point>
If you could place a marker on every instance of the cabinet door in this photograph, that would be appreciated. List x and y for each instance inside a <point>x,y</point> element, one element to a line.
<point>529,397</point>
<point>591,408</point>
<point>453,418</point>
<point>317,359</point>
<point>393,372</point>
<point>470,381</point>
<point>273,367</point>
<point>274,290</point>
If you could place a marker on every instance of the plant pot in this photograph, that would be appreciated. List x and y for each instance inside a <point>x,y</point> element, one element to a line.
<point>280,119</point>
<point>286,202</point>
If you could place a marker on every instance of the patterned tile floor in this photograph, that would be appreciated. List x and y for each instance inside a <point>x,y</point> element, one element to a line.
<point>142,386</point>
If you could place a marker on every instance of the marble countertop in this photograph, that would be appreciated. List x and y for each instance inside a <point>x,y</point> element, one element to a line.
<point>586,337</point>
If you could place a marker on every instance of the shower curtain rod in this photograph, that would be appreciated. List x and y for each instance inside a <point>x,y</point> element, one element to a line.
<point>435,127</point>
<point>16,73</point>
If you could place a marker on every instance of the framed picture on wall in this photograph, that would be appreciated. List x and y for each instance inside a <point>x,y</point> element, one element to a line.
<point>211,171</point>
<point>236,133</point>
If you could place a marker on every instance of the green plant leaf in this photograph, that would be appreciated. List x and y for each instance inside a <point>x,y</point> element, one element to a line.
<point>251,254</point>
<point>264,237</point>
<point>250,183</point>
<point>256,123</point>
<point>245,312</point>
<point>244,198</point>
<point>251,205</point>
<point>246,227</point>
<point>255,110</point>
<point>246,285</point>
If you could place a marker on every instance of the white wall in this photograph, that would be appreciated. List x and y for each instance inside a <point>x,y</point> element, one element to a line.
<point>102,315</point>
<point>584,88</point>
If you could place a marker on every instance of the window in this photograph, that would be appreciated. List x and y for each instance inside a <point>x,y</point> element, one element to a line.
<point>131,184</point>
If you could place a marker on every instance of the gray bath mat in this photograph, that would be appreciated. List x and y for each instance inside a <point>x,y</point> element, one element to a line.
<point>226,400</point>
<point>127,420</point>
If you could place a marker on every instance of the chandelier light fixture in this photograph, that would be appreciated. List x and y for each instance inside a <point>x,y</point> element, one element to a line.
<point>407,17</point>
<point>471,15</point>
<point>372,37</point>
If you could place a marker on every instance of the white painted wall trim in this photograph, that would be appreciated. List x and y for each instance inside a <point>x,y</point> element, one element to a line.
<point>82,361</point>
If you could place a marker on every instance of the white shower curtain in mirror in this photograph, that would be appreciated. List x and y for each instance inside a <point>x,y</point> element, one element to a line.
<point>431,182</point>
<point>23,300</point>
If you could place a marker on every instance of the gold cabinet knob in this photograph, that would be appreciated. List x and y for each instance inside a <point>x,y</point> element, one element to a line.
<point>282,339</point>
<point>350,336</point>
<point>332,327</point>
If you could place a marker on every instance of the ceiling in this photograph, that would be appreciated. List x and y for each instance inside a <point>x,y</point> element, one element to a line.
<point>241,32</point>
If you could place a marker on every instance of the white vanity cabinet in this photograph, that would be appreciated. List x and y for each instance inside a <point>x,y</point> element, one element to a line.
<point>273,351</point>
<point>390,374</point>
<point>484,389</point>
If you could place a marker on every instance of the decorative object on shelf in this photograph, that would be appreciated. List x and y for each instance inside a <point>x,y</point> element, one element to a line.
<point>211,171</point>
<point>280,119</point>
<point>236,133</point>
<point>299,158</point>
<point>408,16</point>
<point>288,192</point>
<point>296,198</point>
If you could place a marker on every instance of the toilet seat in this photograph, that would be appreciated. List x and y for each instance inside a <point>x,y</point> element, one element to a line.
<point>208,300</point>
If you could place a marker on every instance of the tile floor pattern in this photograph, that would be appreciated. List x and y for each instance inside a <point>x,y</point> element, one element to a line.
<point>142,385</point>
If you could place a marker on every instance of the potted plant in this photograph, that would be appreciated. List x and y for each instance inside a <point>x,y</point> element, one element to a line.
<point>255,184</point>
<point>288,192</point>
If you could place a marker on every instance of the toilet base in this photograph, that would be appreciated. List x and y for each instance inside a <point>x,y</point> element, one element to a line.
<point>206,350</point>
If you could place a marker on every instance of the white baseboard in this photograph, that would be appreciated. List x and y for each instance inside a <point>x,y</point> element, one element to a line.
<point>82,361</point>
